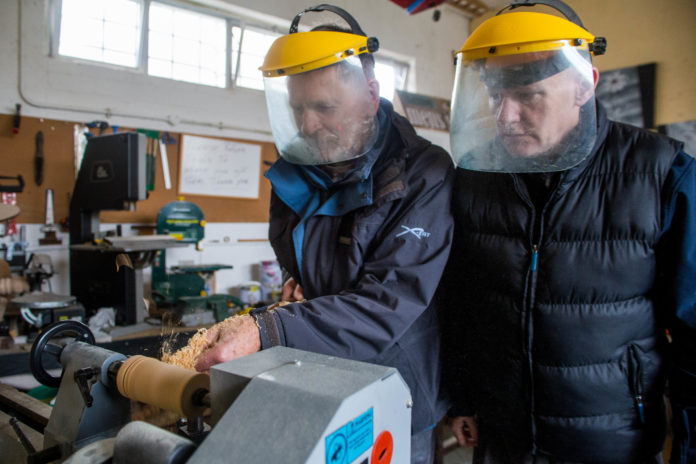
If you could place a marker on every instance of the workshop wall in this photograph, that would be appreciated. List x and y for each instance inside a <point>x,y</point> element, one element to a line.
<point>644,31</point>
<point>65,89</point>
<point>235,234</point>
<point>56,92</point>
<point>59,175</point>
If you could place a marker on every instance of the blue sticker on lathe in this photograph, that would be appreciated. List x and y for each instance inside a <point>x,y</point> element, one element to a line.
<point>346,444</point>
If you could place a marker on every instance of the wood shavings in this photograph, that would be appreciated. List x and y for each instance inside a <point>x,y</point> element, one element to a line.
<point>187,356</point>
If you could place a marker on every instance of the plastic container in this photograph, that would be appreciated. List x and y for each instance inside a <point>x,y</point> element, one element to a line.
<point>271,281</point>
<point>250,293</point>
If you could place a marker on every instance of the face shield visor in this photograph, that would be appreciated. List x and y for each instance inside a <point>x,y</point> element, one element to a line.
<point>532,112</point>
<point>523,97</point>
<point>323,116</point>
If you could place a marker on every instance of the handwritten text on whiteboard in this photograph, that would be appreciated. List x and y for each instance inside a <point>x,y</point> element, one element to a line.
<point>220,168</point>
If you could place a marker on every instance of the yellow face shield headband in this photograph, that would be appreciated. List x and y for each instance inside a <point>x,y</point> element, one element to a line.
<point>527,32</point>
<point>305,51</point>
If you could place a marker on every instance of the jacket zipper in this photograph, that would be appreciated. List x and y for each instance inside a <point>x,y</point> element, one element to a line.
<point>530,337</point>
<point>535,258</point>
<point>536,233</point>
<point>635,373</point>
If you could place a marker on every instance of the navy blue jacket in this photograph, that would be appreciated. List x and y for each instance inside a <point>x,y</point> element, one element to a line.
<point>558,341</point>
<point>369,253</point>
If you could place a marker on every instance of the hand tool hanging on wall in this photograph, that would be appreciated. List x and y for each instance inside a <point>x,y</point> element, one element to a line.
<point>12,188</point>
<point>151,159</point>
<point>152,146</point>
<point>49,228</point>
<point>17,119</point>
<point>39,159</point>
<point>165,140</point>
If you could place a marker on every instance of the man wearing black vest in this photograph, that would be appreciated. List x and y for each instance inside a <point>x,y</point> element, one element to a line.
<point>570,289</point>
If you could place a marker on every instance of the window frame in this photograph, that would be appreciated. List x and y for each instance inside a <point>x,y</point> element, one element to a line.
<point>231,75</point>
<point>146,36</point>
<point>55,16</point>
<point>244,25</point>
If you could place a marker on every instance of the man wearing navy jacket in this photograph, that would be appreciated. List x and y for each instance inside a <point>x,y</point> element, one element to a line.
<point>360,220</point>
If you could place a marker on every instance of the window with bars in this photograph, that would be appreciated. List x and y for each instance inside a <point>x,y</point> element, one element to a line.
<point>101,30</point>
<point>180,43</point>
<point>186,45</point>
<point>249,47</point>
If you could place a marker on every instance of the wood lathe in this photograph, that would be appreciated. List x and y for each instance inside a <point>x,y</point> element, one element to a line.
<point>279,405</point>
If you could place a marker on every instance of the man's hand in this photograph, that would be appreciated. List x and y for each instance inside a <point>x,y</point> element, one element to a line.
<point>238,337</point>
<point>292,291</point>
<point>464,429</point>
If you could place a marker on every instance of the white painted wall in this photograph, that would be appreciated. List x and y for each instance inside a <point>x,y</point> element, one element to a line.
<point>64,89</point>
<point>67,89</point>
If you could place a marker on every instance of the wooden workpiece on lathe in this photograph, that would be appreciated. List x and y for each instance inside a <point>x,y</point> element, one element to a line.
<point>153,382</point>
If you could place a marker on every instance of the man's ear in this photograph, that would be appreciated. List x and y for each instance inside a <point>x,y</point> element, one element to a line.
<point>595,76</point>
<point>585,89</point>
<point>373,89</point>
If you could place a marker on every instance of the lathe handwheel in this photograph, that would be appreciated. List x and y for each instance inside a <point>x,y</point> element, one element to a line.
<point>62,329</point>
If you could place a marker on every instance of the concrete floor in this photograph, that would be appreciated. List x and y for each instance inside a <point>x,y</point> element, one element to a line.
<point>465,455</point>
<point>459,456</point>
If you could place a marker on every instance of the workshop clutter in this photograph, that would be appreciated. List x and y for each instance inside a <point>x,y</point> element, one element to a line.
<point>250,293</point>
<point>265,291</point>
<point>271,281</point>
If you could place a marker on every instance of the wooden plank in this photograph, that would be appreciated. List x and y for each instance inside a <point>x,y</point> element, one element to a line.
<point>26,409</point>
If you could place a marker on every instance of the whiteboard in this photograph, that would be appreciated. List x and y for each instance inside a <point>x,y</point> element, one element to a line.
<point>220,168</point>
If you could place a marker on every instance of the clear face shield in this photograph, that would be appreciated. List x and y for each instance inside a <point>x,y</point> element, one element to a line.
<point>528,112</point>
<point>323,116</point>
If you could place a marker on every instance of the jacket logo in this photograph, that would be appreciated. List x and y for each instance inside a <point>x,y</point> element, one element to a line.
<point>417,231</point>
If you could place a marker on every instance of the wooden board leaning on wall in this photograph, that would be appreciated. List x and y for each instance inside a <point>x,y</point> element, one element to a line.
<point>17,154</point>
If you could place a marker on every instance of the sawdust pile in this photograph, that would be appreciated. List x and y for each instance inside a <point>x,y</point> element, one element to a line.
<point>187,356</point>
